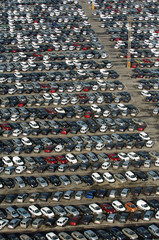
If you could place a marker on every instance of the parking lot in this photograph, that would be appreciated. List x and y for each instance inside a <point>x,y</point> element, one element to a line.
<point>79,133</point>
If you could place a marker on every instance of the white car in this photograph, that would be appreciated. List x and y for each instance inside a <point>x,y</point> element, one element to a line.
<point>133,156</point>
<point>62,221</point>
<point>34,210</point>
<point>14,117</point>
<point>52,236</point>
<point>7,161</point>
<point>142,204</point>
<point>145,93</point>
<point>150,143</point>
<point>59,110</point>
<point>16,132</point>
<point>104,72</point>
<point>157,215</point>
<point>34,124</point>
<point>106,165</point>
<point>20,169</point>
<point>97,177</point>
<point>95,208</point>
<point>46,211</point>
<point>109,177</point>
<point>3,223</point>
<point>95,108</point>
<point>131,176</point>
<point>122,107</point>
<point>47,96</point>
<point>17,160</point>
<point>123,156</point>
<point>71,158</point>
<point>42,181</point>
<point>59,148</point>
<point>118,205</point>
<point>144,136</point>
<point>26,141</point>
<point>99,146</point>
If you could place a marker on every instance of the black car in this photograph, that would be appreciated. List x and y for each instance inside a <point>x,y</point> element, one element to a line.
<point>10,198</point>
<point>9,182</point>
<point>88,180</point>
<point>45,196</point>
<point>148,190</point>
<point>104,234</point>
<point>137,191</point>
<point>142,175</point>
<point>143,232</point>
<point>39,236</point>
<point>101,193</point>
<point>123,217</point>
<point>84,209</point>
<point>3,214</point>
<point>54,180</point>
<point>117,233</point>
<point>154,203</point>
<point>87,219</point>
<point>135,216</point>
<point>32,181</point>
<point>12,237</point>
<point>50,222</point>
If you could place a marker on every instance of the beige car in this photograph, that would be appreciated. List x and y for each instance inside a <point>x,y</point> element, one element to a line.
<point>130,233</point>
<point>65,236</point>
<point>78,236</point>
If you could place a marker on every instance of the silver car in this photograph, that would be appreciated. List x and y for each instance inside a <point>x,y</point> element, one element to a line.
<point>23,212</point>
<point>14,223</point>
<point>72,210</point>
<point>91,235</point>
<point>42,181</point>
<point>59,211</point>
<point>65,180</point>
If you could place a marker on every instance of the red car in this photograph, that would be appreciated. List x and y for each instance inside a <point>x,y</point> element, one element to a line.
<point>77,44</point>
<point>146,60</point>
<point>50,49</point>
<point>82,95</point>
<point>61,159</point>
<point>50,159</point>
<point>114,157</point>
<point>86,88</point>
<point>6,126</point>
<point>49,149</point>
<point>21,104</point>
<point>107,207</point>
<point>45,86</point>
<point>75,220</point>
<point>88,114</point>
<point>37,55</point>
<point>50,110</point>
<point>53,89</point>
<point>65,131</point>
<point>141,127</point>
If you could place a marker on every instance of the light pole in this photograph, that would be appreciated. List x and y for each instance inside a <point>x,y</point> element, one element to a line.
<point>93,1</point>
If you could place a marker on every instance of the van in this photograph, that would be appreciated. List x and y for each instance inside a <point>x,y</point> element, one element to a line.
<point>79,194</point>
<point>103,128</point>
<point>62,167</point>
<point>147,163</point>
<point>9,170</point>
<point>25,222</point>
<point>68,194</point>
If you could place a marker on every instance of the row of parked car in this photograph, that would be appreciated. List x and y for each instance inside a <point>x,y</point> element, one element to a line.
<point>89,179</point>
<point>53,87</point>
